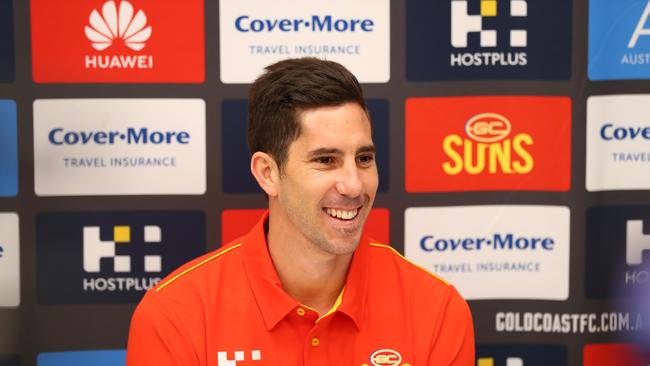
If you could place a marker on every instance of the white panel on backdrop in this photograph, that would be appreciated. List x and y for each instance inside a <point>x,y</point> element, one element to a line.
<point>9,260</point>
<point>119,146</point>
<point>618,142</point>
<point>493,252</point>
<point>256,33</point>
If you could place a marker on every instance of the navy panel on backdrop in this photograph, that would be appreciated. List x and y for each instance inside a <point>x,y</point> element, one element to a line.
<point>617,250</point>
<point>519,355</point>
<point>235,156</point>
<point>112,257</point>
<point>9,360</point>
<point>474,39</point>
<point>7,62</point>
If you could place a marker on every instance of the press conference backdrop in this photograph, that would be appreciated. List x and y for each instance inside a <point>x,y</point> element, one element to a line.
<point>513,143</point>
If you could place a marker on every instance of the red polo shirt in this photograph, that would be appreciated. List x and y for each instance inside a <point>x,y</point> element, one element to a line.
<point>228,308</point>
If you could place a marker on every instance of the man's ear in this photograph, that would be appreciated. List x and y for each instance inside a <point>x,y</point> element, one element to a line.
<point>266,172</point>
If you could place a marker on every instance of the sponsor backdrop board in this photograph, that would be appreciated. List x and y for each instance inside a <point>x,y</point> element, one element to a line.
<point>619,46</point>
<point>9,260</point>
<point>520,355</point>
<point>82,358</point>
<point>119,146</point>
<point>112,257</point>
<point>479,248</point>
<point>117,41</point>
<point>8,149</point>
<point>618,141</point>
<point>488,39</point>
<point>488,143</point>
<point>256,33</point>
<point>510,111</point>
<point>7,58</point>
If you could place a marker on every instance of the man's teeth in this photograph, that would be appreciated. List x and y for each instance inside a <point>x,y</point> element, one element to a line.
<point>342,214</point>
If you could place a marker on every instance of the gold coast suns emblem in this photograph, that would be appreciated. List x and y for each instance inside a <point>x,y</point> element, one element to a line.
<point>385,357</point>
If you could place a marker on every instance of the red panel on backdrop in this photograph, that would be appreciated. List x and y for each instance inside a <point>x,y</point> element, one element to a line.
<point>117,41</point>
<point>613,354</point>
<point>235,223</point>
<point>488,143</point>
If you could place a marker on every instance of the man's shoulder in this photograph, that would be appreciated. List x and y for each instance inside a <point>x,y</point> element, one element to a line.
<point>200,272</point>
<point>388,265</point>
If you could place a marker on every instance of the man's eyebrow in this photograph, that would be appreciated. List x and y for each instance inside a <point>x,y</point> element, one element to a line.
<point>324,151</point>
<point>367,148</point>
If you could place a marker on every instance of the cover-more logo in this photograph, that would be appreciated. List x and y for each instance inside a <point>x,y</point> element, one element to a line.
<point>463,23</point>
<point>255,33</point>
<point>113,24</point>
<point>479,248</point>
<point>618,135</point>
<point>487,143</point>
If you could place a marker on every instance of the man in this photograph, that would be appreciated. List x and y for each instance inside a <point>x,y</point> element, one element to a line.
<point>305,286</point>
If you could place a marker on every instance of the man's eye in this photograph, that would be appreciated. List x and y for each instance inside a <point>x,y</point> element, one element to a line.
<point>365,159</point>
<point>324,159</point>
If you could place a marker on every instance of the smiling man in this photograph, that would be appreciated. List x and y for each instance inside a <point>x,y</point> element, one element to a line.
<point>305,286</point>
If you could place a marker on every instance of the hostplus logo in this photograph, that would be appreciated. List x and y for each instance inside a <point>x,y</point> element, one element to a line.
<point>489,148</point>
<point>489,361</point>
<point>637,243</point>
<point>239,356</point>
<point>95,249</point>
<point>118,25</point>
<point>463,24</point>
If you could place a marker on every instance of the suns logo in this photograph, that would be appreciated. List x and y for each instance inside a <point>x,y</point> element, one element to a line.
<point>489,148</point>
<point>118,23</point>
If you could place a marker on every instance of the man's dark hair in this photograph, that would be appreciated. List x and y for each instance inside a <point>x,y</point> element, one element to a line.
<point>287,88</point>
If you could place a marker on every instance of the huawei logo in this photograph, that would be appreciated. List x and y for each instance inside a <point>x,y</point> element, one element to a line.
<point>118,23</point>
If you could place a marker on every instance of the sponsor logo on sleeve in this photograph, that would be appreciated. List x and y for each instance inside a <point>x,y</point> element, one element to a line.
<point>7,62</point>
<point>9,260</point>
<point>236,223</point>
<point>82,358</point>
<point>618,142</point>
<point>117,41</point>
<point>613,354</point>
<point>256,33</point>
<point>521,355</point>
<point>112,257</point>
<point>8,149</point>
<point>238,356</point>
<point>479,248</point>
<point>488,143</point>
<point>488,39</point>
<point>235,154</point>
<point>119,146</point>
<point>617,250</point>
<point>619,46</point>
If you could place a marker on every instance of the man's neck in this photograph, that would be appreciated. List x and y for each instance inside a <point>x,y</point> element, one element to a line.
<point>308,274</point>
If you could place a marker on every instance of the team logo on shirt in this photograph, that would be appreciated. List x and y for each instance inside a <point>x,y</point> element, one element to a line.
<point>385,357</point>
<point>223,360</point>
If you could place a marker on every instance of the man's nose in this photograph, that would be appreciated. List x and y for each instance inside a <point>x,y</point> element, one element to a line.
<point>349,180</point>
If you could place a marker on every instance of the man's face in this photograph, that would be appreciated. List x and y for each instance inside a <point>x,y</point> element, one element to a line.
<point>329,180</point>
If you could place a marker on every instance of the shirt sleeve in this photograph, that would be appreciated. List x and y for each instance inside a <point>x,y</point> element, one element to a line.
<point>158,337</point>
<point>454,343</point>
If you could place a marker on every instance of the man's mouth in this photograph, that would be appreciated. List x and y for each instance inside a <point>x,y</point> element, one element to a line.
<point>342,214</point>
